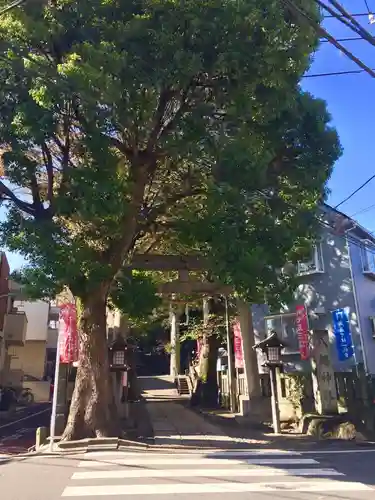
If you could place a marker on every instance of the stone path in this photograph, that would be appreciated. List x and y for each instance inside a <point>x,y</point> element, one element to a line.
<point>175,424</point>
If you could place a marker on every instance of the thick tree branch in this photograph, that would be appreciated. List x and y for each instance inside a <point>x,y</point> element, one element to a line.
<point>151,216</point>
<point>34,187</point>
<point>7,193</point>
<point>164,99</point>
<point>118,248</point>
<point>170,108</point>
<point>66,148</point>
<point>49,168</point>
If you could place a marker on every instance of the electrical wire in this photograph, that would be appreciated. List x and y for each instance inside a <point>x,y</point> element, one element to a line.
<point>304,17</point>
<point>367,7</point>
<point>11,6</point>
<point>348,39</point>
<point>353,15</point>
<point>345,18</point>
<point>336,73</point>
<point>355,191</point>
<point>363,210</point>
<point>349,20</point>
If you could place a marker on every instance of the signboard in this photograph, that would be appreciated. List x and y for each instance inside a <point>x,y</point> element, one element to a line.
<point>341,330</point>
<point>68,334</point>
<point>238,350</point>
<point>302,326</point>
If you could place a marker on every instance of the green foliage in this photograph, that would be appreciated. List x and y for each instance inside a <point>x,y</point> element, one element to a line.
<point>136,295</point>
<point>127,123</point>
<point>262,213</point>
<point>214,325</point>
<point>296,390</point>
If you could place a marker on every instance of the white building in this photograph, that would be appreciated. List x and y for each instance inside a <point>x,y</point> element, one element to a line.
<point>28,360</point>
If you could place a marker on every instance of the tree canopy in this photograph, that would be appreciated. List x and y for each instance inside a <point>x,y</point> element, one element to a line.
<point>113,113</point>
<point>129,125</point>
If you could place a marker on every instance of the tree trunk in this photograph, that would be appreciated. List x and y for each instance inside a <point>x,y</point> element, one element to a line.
<point>206,391</point>
<point>92,410</point>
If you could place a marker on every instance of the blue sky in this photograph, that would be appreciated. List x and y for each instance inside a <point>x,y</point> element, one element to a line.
<point>351,102</point>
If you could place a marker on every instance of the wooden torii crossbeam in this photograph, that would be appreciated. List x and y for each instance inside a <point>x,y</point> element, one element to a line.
<point>155,262</point>
<point>183,264</point>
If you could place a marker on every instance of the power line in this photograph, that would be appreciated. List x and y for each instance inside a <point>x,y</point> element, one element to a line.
<point>367,6</point>
<point>355,191</point>
<point>365,14</point>
<point>347,39</point>
<point>363,210</point>
<point>336,73</point>
<point>344,17</point>
<point>305,18</point>
<point>11,6</point>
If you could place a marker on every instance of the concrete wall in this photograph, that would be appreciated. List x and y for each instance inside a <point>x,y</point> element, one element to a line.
<point>37,317</point>
<point>30,358</point>
<point>52,336</point>
<point>321,293</point>
<point>40,390</point>
<point>365,292</point>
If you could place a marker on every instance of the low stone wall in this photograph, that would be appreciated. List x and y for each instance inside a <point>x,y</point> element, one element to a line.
<point>40,390</point>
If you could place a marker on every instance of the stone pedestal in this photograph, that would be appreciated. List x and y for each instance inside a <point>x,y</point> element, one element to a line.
<point>323,377</point>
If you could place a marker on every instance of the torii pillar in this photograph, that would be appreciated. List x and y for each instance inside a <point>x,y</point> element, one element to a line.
<point>175,358</point>
<point>250,357</point>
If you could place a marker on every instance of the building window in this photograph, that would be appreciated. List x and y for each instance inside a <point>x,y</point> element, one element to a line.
<point>285,327</point>
<point>368,257</point>
<point>314,264</point>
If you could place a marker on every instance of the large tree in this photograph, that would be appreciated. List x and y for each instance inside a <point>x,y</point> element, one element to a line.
<point>118,115</point>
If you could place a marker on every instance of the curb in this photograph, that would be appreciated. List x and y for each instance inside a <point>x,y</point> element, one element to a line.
<point>314,445</point>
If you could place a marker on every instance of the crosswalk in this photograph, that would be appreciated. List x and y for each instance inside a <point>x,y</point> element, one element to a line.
<point>124,474</point>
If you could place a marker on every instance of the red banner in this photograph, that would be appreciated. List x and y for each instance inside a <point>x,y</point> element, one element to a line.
<point>302,325</point>
<point>238,350</point>
<point>199,347</point>
<point>68,334</point>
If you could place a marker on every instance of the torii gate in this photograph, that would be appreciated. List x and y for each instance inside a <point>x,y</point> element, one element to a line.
<point>184,285</point>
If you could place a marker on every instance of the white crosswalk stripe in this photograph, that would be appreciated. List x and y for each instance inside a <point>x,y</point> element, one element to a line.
<point>123,474</point>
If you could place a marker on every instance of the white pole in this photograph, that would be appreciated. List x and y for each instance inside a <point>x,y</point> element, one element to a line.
<point>231,380</point>
<point>55,393</point>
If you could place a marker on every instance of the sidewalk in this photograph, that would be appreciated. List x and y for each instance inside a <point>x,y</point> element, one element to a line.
<point>175,424</point>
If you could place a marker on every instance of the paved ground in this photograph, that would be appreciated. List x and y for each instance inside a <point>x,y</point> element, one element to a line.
<point>210,475</point>
<point>205,463</point>
<point>173,423</point>
<point>17,429</point>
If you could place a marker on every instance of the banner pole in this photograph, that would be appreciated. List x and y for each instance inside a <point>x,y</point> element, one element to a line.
<point>55,393</point>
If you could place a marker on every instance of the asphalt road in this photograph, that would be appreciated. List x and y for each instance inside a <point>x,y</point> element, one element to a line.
<point>17,430</point>
<point>240,475</point>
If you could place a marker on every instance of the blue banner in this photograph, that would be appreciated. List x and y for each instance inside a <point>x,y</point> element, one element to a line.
<point>341,330</point>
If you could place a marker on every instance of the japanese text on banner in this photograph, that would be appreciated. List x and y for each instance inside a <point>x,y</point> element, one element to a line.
<point>238,350</point>
<point>341,330</point>
<point>302,326</point>
<point>68,334</point>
